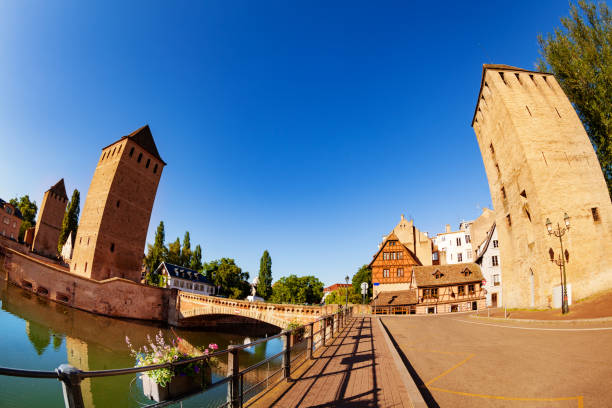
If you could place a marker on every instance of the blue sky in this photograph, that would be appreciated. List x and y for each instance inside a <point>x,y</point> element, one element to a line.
<point>304,128</point>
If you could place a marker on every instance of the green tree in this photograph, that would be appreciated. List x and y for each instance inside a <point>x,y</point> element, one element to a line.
<point>224,273</point>
<point>338,297</point>
<point>156,254</point>
<point>28,211</point>
<point>186,251</point>
<point>71,219</point>
<point>297,290</point>
<point>196,259</point>
<point>174,253</point>
<point>264,286</point>
<point>580,55</point>
<point>364,274</point>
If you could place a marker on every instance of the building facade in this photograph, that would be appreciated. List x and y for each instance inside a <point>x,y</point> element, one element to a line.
<point>10,220</point>
<point>455,246</point>
<point>540,164</point>
<point>185,279</point>
<point>391,266</point>
<point>489,259</point>
<point>418,242</point>
<point>49,223</point>
<point>112,231</point>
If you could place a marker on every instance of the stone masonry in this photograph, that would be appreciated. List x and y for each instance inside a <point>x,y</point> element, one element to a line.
<point>540,164</point>
<point>113,228</point>
<point>50,217</point>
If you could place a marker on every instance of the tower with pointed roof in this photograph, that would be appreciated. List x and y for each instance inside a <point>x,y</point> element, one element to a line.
<point>540,164</point>
<point>112,231</point>
<point>49,223</point>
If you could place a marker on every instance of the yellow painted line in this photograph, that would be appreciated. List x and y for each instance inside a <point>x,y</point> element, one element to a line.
<point>579,398</point>
<point>449,370</point>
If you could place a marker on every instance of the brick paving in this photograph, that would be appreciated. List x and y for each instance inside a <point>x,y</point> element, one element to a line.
<point>356,370</point>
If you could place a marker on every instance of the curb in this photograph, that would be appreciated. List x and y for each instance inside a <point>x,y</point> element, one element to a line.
<point>416,399</point>
<point>546,321</point>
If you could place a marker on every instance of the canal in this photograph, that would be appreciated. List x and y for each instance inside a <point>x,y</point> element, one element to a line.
<point>38,334</point>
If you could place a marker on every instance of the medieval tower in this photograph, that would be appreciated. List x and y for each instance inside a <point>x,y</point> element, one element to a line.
<point>112,232</point>
<point>540,164</point>
<point>49,224</point>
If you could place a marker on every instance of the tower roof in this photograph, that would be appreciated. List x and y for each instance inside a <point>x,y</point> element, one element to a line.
<point>498,67</point>
<point>143,138</point>
<point>59,189</point>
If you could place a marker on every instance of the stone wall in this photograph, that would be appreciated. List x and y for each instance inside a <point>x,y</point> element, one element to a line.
<point>540,164</point>
<point>113,297</point>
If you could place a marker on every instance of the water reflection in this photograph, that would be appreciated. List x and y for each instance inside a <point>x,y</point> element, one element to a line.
<point>91,343</point>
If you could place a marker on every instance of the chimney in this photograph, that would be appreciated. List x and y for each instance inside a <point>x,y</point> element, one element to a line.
<point>448,228</point>
<point>403,218</point>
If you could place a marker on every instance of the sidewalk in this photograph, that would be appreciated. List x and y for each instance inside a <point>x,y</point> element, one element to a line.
<point>356,370</point>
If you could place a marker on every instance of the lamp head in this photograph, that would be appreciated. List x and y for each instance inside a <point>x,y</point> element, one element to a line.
<point>566,218</point>
<point>548,225</point>
<point>346,279</point>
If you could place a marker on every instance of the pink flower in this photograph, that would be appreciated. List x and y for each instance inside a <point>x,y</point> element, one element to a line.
<point>213,346</point>
<point>206,351</point>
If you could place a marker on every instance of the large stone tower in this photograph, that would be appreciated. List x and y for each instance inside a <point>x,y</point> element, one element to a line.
<point>540,164</point>
<point>50,217</point>
<point>113,228</point>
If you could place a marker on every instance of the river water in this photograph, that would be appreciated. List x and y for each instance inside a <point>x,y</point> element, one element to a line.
<point>38,334</point>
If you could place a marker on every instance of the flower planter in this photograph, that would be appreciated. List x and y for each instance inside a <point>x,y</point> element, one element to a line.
<point>179,386</point>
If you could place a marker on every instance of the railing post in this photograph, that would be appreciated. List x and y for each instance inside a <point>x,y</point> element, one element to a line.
<point>71,384</point>
<point>233,387</point>
<point>341,318</point>
<point>287,355</point>
<point>310,341</point>
<point>323,330</point>
<point>334,326</point>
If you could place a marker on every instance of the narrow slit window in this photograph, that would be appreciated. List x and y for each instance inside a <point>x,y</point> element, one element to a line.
<point>503,192</point>
<point>155,169</point>
<point>148,163</point>
<point>131,152</point>
<point>595,213</point>
<point>492,149</point>
<point>509,220</point>
<point>139,158</point>
<point>501,74</point>
<point>518,78</point>
<point>533,79</point>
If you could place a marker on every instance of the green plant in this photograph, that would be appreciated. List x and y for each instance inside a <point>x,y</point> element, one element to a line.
<point>160,352</point>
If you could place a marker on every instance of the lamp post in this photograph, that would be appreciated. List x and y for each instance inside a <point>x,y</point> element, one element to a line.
<point>563,257</point>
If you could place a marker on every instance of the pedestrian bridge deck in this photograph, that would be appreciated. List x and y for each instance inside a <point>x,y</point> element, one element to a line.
<point>356,370</point>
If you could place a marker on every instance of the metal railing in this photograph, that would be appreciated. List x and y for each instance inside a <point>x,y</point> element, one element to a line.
<point>329,325</point>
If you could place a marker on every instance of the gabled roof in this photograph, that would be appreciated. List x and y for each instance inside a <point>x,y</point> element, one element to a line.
<point>59,189</point>
<point>183,273</point>
<point>393,237</point>
<point>498,67</point>
<point>396,298</point>
<point>448,274</point>
<point>143,138</point>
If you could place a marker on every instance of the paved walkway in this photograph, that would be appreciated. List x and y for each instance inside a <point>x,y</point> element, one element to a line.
<point>356,370</point>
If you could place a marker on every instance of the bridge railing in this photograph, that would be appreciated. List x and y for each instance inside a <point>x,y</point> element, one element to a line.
<point>238,390</point>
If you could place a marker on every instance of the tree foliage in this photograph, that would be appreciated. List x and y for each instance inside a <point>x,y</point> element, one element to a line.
<point>364,274</point>
<point>157,253</point>
<point>70,223</point>
<point>186,251</point>
<point>264,287</point>
<point>28,210</point>
<point>338,297</point>
<point>174,253</point>
<point>196,259</point>
<point>228,277</point>
<point>580,55</point>
<point>297,290</point>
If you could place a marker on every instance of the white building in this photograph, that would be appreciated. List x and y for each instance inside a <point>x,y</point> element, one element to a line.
<point>489,261</point>
<point>457,245</point>
<point>185,279</point>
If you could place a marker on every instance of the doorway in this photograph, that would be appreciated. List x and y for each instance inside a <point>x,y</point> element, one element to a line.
<point>494,299</point>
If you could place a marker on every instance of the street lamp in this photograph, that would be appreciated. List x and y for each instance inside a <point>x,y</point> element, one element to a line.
<point>562,258</point>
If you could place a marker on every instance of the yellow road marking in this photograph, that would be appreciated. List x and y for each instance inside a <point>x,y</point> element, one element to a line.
<point>579,398</point>
<point>449,370</point>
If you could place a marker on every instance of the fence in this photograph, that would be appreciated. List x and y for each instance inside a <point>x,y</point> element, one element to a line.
<point>238,391</point>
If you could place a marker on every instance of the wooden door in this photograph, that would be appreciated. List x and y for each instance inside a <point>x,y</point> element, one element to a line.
<point>494,299</point>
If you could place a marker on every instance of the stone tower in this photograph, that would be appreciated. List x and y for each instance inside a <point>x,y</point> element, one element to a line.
<point>540,164</point>
<point>112,232</point>
<point>50,217</point>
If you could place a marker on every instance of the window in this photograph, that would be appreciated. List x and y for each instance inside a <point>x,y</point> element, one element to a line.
<point>385,273</point>
<point>501,74</point>
<point>385,256</point>
<point>118,203</point>
<point>509,220</point>
<point>131,152</point>
<point>518,78</point>
<point>139,158</point>
<point>85,270</point>
<point>103,155</point>
<point>458,241</point>
<point>393,255</point>
<point>9,210</point>
<point>495,243</point>
<point>471,289</point>
<point>595,213</point>
<point>460,257</point>
<point>496,281</point>
<point>400,272</point>
<point>400,255</point>
<point>492,149</point>
<point>434,256</point>
<point>468,239</point>
<point>430,293</point>
<point>494,260</point>
<point>112,247</point>
<point>461,290</point>
<point>155,169</point>
<point>468,254</point>
<point>148,163</point>
<point>88,241</point>
<point>503,192</point>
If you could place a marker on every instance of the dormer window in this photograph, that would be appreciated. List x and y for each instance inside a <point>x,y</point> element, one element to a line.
<point>466,272</point>
<point>438,274</point>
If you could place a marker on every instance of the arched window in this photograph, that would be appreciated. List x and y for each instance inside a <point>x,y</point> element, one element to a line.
<point>139,158</point>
